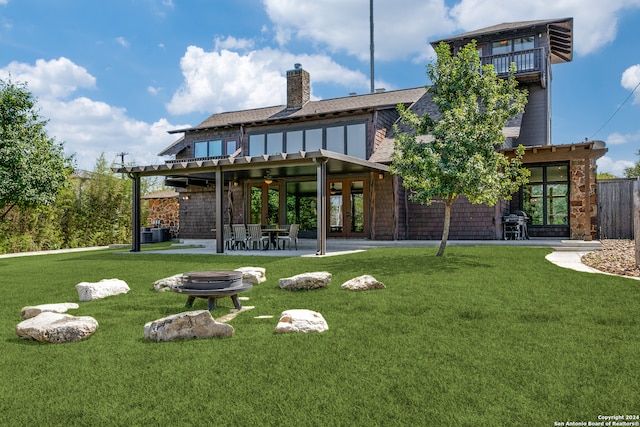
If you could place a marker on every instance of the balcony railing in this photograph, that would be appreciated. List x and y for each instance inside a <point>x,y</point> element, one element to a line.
<point>527,62</point>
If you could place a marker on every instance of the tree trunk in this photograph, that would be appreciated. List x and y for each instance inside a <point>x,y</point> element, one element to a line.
<point>447,221</point>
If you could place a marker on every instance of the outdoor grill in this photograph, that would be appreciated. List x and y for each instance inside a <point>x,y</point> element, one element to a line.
<point>212,285</point>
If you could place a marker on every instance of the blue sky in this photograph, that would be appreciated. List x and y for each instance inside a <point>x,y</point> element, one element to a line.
<point>114,75</point>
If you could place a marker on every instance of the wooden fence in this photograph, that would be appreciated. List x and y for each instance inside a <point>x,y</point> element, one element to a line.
<point>615,208</point>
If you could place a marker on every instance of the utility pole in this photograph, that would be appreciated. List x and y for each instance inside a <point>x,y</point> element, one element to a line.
<point>373,88</point>
<point>121,155</point>
<point>636,219</point>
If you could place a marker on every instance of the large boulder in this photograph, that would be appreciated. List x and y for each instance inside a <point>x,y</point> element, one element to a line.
<point>88,291</point>
<point>57,328</point>
<point>33,310</point>
<point>189,324</point>
<point>252,275</point>
<point>315,280</point>
<point>362,283</point>
<point>301,321</point>
<point>169,283</point>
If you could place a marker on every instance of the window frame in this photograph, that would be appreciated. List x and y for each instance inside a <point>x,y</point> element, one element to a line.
<point>343,128</point>
<point>546,184</point>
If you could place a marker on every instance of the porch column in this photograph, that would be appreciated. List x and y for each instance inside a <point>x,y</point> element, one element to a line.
<point>135,212</point>
<point>321,168</point>
<point>219,217</point>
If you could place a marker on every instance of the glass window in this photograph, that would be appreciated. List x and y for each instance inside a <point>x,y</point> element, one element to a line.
<point>546,197</point>
<point>215,148</point>
<point>274,143</point>
<point>256,145</point>
<point>503,46</point>
<point>335,139</point>
<point>523,43</point>
<point>294,141</point>
<point>357,141</point>
<point>536,174</point>
<point>313,139</point>
<point>232,146</point>
<point>200,149</point>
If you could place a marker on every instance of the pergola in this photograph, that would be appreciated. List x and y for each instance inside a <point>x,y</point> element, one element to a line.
<point>219,171</point>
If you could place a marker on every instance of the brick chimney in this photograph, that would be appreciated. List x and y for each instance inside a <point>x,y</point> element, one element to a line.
<point>298,87</point>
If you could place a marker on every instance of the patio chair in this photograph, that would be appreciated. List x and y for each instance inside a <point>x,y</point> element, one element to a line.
<point>256,238</point>
<point>291,237</point>
<point>240,236</point>
<point>228,237</point>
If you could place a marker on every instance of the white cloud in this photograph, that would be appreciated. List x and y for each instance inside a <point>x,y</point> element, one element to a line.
<point>228,81</point>
<point>619,139</point>
<point>343,25</point>
<point>595,21</point>
<point>122,41</point>
<point>85,126</point>
<point>232,43</point>
<point>630,80</point>
<point>153,90</point>
<point>56,78</point>
<point>4,1</point>
<point>607,164</point>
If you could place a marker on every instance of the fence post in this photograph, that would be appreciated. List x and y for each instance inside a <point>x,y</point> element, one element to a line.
<point>636,219</point>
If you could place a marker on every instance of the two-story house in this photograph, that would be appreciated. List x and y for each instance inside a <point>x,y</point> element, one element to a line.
<point>324,164</point>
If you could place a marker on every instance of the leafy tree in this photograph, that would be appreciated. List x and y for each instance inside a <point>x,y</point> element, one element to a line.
<point>606,175</point>
<point>33,167</point>
<point>633,172</point>
<point>460,157</point>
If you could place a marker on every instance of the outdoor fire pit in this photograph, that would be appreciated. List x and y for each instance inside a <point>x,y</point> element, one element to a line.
<point>212,285</point>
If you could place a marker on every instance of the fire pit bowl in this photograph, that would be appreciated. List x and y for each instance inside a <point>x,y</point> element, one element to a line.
<point>211,285</point>
<point>212,279</point>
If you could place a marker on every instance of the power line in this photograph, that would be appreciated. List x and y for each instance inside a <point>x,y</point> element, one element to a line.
<point>616,112</point>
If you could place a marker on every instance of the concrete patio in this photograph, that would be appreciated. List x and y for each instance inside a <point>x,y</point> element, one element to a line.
<point>308,247</point>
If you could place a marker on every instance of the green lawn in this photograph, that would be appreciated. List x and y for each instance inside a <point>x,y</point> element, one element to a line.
<point>485,336</point>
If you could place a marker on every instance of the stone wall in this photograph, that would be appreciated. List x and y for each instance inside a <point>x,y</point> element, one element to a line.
<point>583,202</point>
<point>165,213</point>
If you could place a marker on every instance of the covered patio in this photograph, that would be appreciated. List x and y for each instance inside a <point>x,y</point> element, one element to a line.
<point>225,171</point>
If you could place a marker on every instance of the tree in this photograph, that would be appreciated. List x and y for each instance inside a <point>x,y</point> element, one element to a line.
<point>459,158</point>
<point>633,172</point>
<point>33,167</point>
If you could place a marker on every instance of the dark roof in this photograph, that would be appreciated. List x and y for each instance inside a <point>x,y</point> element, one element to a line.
<point>560,35</point>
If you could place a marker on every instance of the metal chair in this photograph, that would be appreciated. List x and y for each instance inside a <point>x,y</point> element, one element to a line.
<point>291,237</point>
<point>240,236</point>
<point>256,237</point>
<point>228,237</point>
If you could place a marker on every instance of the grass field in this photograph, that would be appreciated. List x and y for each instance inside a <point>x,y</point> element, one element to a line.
<point>485,336</point>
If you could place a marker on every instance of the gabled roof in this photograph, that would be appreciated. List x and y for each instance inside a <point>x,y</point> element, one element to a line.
<point>560,32</point>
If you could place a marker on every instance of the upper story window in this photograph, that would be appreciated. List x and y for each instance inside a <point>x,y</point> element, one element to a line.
<point>214,148</point>
<point>519,51</point>
<point>350,139</point>
<point>512,45</point>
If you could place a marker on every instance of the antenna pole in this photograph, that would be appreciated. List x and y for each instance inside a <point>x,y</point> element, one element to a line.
<point>373,89</point>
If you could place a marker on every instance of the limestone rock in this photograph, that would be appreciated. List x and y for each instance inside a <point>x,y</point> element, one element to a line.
<point>169,283</point>
<point>189,324</point>
<point>33,310</point>
<point>362,283</point>
<point>88,291</point>
<point>57,328</point>
<point>301,321</point>
<point>253,275</point>
<point>319,279</point>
